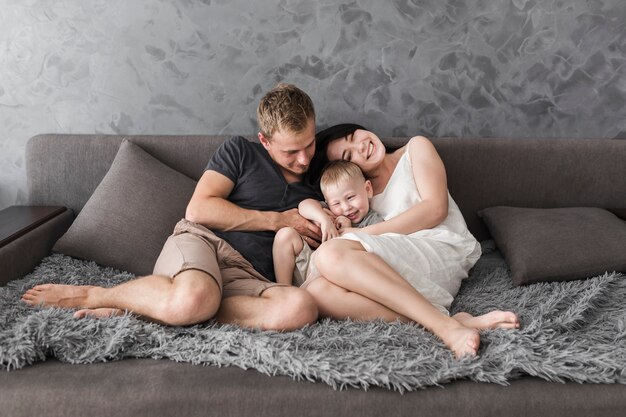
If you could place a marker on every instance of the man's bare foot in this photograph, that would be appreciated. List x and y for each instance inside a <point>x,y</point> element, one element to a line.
<point>461,340</point>
<point>493,320</point>
<point>98,312</point>
<point>57,295</point>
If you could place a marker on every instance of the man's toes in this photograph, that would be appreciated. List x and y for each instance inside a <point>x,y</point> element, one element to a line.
<point>28,299</point>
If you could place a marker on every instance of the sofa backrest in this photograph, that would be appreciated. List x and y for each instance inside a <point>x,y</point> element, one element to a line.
<point>66,169</point>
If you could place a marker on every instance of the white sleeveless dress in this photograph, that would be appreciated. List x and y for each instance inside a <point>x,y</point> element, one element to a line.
<point>434,261</point>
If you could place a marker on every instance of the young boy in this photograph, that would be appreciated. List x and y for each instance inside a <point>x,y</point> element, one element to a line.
<point>347,195</point>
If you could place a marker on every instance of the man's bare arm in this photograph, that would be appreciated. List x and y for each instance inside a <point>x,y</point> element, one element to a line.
<point>209,206</point>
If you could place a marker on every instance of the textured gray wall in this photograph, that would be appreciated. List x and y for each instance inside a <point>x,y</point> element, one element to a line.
<point>516,68</point>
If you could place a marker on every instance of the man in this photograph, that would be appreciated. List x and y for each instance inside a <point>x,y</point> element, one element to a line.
<point>248,192</point>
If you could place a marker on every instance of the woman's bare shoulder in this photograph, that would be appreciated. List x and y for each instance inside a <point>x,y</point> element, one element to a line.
<point>419,140</point>
<point>421,147</point>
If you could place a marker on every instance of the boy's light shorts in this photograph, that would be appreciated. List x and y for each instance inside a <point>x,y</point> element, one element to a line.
<point>305,266</point>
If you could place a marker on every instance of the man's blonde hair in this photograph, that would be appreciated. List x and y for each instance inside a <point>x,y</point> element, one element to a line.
<point>337,171</point>
<point>285,107</point>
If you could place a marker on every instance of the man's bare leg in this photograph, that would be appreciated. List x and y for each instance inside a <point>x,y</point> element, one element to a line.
<point>191,297</point>
<point>98,312</point>
<point>278,308</point>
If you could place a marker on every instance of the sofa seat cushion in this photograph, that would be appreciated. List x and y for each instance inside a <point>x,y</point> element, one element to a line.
<point>559,244</point>
<point>130,214</point>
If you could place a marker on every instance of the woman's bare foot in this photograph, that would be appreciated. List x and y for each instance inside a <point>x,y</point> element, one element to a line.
<point>98,312</point>
<point>461,340</point>
<point>493,320</point>
<point>57,295</point>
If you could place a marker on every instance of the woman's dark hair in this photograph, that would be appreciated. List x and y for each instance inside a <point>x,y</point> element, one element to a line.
<point>322,139</point>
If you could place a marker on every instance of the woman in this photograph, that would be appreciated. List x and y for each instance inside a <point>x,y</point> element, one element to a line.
<point>411,265</point>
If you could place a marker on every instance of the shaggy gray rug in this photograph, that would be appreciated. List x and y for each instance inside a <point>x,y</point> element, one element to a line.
<point>573,331</point>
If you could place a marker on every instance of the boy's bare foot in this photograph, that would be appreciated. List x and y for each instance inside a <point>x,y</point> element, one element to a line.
<point>461,340</point>
<point>98,312</point>
<point>493,320</point>
<point>57,295</point>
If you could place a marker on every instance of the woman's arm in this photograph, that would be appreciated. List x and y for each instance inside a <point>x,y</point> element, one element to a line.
<point>430,177</point>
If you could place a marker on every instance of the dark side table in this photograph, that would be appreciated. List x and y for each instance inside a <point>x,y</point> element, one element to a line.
<point>27,234</point>
<point>16,221</point>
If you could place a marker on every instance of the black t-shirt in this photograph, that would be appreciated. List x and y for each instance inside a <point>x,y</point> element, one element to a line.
<point>259,185</point>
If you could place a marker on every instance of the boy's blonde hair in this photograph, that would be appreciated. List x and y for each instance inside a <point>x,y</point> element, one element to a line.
<point>338,171</point>
<point>285,107</point>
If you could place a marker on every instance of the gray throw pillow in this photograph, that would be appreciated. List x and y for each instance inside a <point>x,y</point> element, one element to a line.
<point>126,221</point>
<point>560,244</point>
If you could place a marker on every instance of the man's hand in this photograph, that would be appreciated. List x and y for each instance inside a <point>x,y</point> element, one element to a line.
<point>311,233</point>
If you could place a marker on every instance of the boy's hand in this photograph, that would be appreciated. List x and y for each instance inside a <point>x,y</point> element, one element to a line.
<point>345,230</point>
<point>342,222</point>
<point>329,231</point>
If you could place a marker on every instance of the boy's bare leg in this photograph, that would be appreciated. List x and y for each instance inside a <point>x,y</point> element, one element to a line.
<point>191,297</point>
<point>346,264</point>
<point>287,246</point>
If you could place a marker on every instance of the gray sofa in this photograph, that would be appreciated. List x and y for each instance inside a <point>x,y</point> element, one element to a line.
<point>64,170</point>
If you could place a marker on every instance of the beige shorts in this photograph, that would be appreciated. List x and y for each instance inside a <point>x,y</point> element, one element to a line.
<point>305,269</point>
<point>193,246</point>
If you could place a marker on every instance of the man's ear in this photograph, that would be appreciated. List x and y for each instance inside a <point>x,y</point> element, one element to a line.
<point>369,189</point>
<point>264,141</point>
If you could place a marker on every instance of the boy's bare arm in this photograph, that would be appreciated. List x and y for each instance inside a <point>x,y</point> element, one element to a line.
<point>313,210</point>
<point>209,206</point>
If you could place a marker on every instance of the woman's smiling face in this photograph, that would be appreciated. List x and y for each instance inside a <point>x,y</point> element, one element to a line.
<point>361,147</point>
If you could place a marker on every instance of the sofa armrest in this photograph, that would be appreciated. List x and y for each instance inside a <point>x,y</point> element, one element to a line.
<point>27,234</point>
<point>619,212</point>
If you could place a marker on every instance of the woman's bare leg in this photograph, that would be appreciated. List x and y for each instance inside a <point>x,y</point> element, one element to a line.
<point>493,320</point>
<point>338,303</point>
<point>346,264</point>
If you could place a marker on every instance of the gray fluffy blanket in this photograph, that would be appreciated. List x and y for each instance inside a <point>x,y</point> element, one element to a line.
<point>573,331</point>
